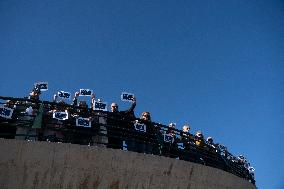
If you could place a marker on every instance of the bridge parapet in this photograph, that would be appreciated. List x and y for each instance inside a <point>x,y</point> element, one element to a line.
<point>46,165</point>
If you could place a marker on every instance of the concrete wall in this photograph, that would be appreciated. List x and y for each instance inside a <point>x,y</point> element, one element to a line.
<point>42,165</point>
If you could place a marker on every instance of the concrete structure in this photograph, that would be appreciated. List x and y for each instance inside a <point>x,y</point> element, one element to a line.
<point>43,165</point>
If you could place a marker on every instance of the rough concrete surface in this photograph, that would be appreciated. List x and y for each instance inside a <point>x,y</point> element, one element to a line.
<point>43,165</point>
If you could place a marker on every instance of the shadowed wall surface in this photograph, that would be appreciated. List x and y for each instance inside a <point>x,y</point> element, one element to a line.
<point>46,165</point>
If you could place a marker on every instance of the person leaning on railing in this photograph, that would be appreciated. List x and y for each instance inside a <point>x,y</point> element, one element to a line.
<point>53,127</point>
<point>170,148</point>
<point>153,137</point>
<point>199,139</point>
<point>142,141</point>
<point>34,94</point>
<point>187,140</point>
<point>82,110</point>
<point>28,111</point>
<point>9,104</point>
<point>212,147</point>
<point>119,123</point>
<point>6,131</point>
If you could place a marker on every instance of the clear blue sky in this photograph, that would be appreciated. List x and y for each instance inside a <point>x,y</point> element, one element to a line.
<point>218,65</point>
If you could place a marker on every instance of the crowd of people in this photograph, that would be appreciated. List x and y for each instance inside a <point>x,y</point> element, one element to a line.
<point>44,121</point>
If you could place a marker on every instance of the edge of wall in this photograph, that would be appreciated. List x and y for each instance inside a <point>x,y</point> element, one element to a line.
<point>46,165</point>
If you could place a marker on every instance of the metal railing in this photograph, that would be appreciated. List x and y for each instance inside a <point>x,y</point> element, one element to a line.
<point>36,121</point>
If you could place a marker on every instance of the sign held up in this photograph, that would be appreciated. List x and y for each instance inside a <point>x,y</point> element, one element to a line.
<point>60,115</point>
<point>83,122</point>
<point>42,86</point>
<point>128,97</point>
<point>168,138</point>
<point>98,105</point>
<point>140,127</point>
<point>63,94</point>
<point>6,112</point>
<point>86,92</point>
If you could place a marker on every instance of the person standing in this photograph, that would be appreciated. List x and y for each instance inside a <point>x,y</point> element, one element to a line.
<point>119,123</point>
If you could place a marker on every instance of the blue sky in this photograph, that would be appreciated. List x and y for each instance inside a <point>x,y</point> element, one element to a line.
<point>217,65</point>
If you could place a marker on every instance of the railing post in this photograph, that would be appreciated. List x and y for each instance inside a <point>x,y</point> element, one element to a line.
<point>101,139</point>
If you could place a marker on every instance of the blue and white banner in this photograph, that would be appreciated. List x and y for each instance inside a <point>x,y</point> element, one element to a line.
<point>63,94</point>
<point>168,138</point>
<point>42,86</point>
<point>6,112</point>
<point>140,127</point>
<point>83,122</point>
<point>86,92</point>
<point>60,115</point>
<point>98,105</point>
<point>129,97</point>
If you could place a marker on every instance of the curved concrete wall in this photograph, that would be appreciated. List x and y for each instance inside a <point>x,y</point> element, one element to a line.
<point>42,165</point>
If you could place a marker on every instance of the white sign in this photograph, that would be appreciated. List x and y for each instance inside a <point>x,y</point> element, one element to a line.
<point>60,115</point>
<point>83,122</point>
<point>168,138</point>
<point>6,112</point>
<point>129,97</point>
<point>251,169</point>
<point>140,126</point>
<point>98,105</point>
<point>86,92</point>
<point>63,94</point>
<point>42,86</point>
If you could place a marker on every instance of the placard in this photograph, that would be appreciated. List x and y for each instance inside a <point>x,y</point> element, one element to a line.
<point>98,105</point>
<point>129,97</point>
<point>251,169</point>
<point>140,127</point>
<point>6,112</point>
<point>168,138</point>
<point>60,115</point>
<point>222,147</point>
<point>42,86</point>
<point>86,92</point>
<point>83,122</point>
<point>63,94</point>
